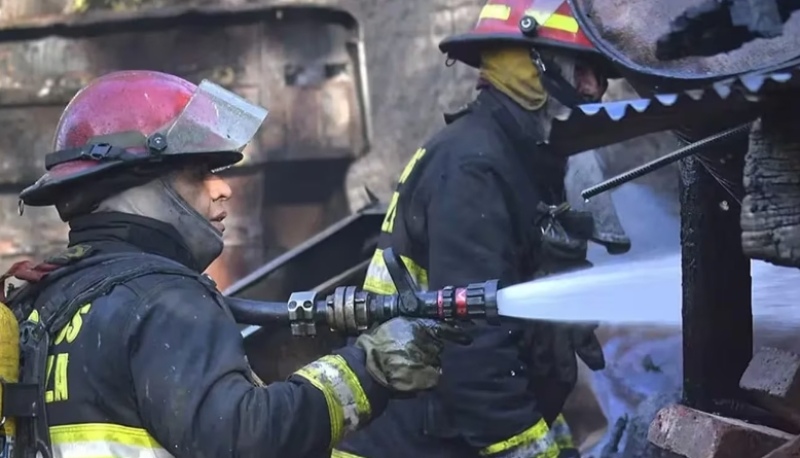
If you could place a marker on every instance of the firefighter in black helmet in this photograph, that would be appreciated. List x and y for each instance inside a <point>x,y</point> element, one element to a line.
<point>143,357</point>
<point>484,198</point>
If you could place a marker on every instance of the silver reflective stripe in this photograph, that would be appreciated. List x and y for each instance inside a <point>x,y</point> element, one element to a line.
<point>560,430</point>
<point>543,448</point>
<point>535,442</point>
<point>378,279</point>
<point>104,440</point>
<point>348,405</point>
<point>98,449</point>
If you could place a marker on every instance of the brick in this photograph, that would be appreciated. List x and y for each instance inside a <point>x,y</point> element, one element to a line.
<point>773,378</point>
<point>790,449</point>
<point>694,434</point>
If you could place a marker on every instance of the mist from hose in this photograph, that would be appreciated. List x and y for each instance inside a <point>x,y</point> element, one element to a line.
<point>642,287</point>
<point>640,292</point>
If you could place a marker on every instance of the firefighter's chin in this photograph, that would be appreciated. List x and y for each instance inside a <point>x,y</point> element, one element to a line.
<point>218,226</point>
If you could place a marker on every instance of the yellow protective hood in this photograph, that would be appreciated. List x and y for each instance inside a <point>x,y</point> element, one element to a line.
<point>511,71</point>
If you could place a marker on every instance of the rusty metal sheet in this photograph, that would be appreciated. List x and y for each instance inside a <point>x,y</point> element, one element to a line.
<point>23,134</point>
<point>317,79</point>
<point>35,19</point>
<point>309,119</point>
<point>737,98</point>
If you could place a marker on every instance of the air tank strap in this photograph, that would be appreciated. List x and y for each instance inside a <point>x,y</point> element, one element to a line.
<point>51,306</point>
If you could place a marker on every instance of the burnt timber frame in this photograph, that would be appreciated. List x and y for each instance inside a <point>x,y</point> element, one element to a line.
<point>717,316</point>
<point>717,309</point>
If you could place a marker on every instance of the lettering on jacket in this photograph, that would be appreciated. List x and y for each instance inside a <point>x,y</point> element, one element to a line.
<point>57,387</point>
<point>391,212</point>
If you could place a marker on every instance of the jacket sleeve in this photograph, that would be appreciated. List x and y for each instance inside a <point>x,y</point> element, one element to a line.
<point>195,396</point>
<point>471,239</point>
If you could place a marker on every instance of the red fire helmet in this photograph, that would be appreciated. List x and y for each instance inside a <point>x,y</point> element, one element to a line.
<point>540,23</point>
<point>131,118</point>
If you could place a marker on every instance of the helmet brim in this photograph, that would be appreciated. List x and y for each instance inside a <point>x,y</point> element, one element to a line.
<point>50,188</point>
<point>467,48</point>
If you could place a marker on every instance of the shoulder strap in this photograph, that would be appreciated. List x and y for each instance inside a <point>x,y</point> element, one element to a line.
<point>63,300</point>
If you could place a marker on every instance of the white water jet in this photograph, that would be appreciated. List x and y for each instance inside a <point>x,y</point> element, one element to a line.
<point>643,287</point>
<point>641,292</point>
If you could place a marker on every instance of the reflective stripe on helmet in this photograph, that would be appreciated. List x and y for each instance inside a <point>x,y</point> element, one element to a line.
<point>550,23</point>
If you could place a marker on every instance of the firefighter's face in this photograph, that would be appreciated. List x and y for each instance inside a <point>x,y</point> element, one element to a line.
<point>590,83</point>
<point>205,192</point>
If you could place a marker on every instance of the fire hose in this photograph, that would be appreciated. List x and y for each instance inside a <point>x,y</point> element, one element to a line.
<point>350,310</point>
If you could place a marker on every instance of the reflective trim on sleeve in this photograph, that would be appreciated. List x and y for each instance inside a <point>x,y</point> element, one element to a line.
<point>561,433</point>
<point>348,406</point>
<point>102,440</point>
<point>379,281</point>
<point>534,442</point>
<point>341,454</point>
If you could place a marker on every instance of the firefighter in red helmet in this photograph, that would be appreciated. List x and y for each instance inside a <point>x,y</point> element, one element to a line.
<point>134,351</point>
<point>485,198</point>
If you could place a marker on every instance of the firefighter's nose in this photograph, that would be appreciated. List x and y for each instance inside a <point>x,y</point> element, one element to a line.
<point>218,188</point>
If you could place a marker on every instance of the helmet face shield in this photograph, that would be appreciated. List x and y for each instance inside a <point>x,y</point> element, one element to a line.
<point>214,120</point>
<point>542,10</point>
<point>168,118</point>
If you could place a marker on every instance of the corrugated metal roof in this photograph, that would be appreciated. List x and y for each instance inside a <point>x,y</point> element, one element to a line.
<point>599,124</point>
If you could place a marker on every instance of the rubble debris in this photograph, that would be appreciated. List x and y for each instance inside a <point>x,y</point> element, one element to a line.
<point>695,434</point>
<point>773,377</point>
<point>611,449</point>
<point>790,449</point>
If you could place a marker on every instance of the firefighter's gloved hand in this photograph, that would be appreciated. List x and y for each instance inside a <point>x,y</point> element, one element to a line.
<point>403,353</point>
<point>588,347</point>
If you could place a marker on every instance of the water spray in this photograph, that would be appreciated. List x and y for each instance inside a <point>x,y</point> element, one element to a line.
<point>600,294</point>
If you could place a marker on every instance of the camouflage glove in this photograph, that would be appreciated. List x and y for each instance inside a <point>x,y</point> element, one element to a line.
<point>403,353</point>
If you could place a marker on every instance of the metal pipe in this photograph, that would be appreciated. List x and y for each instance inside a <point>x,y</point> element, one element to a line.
<point>660,162</point>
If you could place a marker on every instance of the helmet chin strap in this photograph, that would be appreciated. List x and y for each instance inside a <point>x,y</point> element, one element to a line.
<point>554,82</point>
<point>158,199</point>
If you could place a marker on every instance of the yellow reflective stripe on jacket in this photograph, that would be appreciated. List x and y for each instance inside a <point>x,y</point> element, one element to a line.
<point>341,454</point>
<point>348,406</point>
<point>534,442</point>
<point>103,440</point>
<point>379,281</point>
<point>561,433</point>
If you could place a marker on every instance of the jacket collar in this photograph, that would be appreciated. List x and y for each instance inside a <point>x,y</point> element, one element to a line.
<point>525,131</point>
<point>121,232</point>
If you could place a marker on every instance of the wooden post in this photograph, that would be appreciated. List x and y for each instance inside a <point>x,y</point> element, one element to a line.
<point>717,315</point>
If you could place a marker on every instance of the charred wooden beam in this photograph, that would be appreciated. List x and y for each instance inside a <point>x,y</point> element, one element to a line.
<point>717,316</point>
<point>770,216</point>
